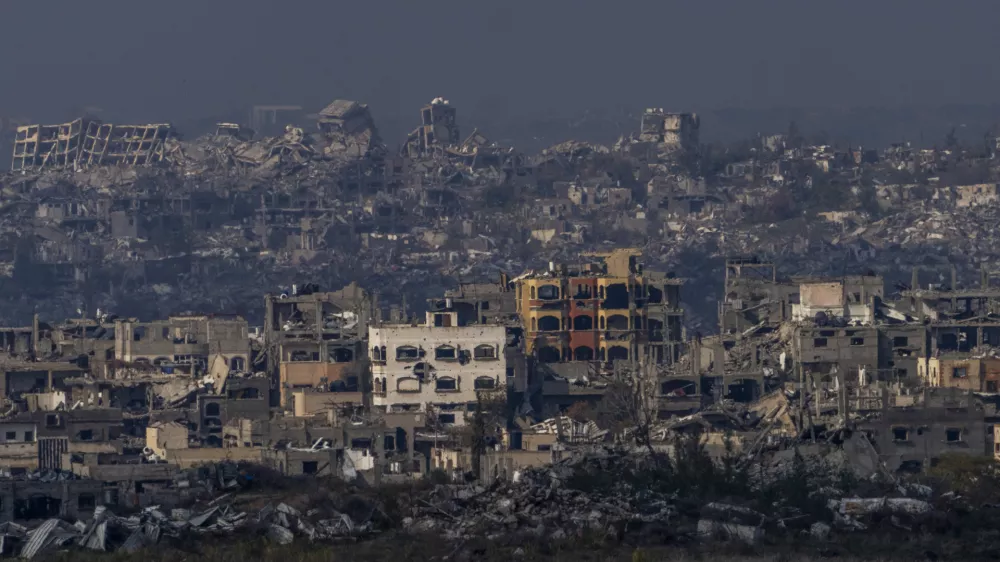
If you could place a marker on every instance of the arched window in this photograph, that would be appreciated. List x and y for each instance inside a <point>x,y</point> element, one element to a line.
<point>445,353</point>
<point>548,292</point>
<point>485,383</point>
<point>583,353</point>
<point>445,384</point>
<point>548,324</point>
<point>583,322</point>
<point>618,322</point>
<point>376,353</point>
<point>408,384</point>
<point>484,351</point>
<point>407,353</point>
<point>532,292</point>
<point>617,353</point>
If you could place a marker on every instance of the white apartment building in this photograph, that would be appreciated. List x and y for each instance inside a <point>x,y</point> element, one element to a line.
<point>439,363</point>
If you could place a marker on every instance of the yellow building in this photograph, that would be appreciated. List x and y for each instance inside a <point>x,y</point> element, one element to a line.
<point>605,311</point>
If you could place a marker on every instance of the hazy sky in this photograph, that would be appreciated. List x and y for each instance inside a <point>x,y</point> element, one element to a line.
<point>180,59</point>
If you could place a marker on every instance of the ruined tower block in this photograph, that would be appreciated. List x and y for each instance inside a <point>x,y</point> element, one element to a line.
<point>674,131</point>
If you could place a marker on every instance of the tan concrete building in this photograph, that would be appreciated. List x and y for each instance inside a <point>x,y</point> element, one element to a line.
<point>960,370</point>
<point>163,437</point>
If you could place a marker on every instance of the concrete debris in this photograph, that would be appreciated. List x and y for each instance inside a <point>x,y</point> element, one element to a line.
<point>110,533</point>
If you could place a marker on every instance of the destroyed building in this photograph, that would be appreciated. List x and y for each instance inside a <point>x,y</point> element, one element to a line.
<point>672,131</point>
<point>315,340</point>
<point>438,129</point>
<point>85,142</point>
<point>795,327</point>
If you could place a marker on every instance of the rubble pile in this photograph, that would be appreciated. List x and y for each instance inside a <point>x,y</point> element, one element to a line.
<point>608,491</point>
<point>554,503</point>
<point>615,493</point>
<point>108,532</point>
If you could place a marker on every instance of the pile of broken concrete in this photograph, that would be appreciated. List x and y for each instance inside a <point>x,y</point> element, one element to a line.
<point>107,532</point>
<point>601,491</point>
<point>554,502</point>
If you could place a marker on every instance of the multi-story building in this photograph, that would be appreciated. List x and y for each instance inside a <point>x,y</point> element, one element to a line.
<point>315,340</point>
<point>438,128</point>
<point>609,311</point>
<point>438,364</point>
<point>184,343</point>
<point>671,130</point>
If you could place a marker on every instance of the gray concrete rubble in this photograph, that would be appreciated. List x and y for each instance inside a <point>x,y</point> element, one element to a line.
<point>107,532</point>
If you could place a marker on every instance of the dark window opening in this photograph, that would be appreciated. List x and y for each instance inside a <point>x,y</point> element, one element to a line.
<point>583,353</point>
<point>548,292</point>
<point>960,372</point>
<point>341,354</point>
<point>406,353</point>
<point>900,341</point>
<point>11,435</point>
<point>819,342</point>
<point>85,435</point>
<point>446,384</point>
<point>389,443</point>
<point>29,436</point>
<point>37,507</point>
<point>51,420</point>
<point>86,502</point>
<point>545,447</point>
<point>857,341</point>
<point>953,435</point>
<point>548,324</point>
<point>444,353</point>
<point>617,353</point>
<point>900,434</point>
<point>616,296</point>
<point>583,323</point>
<point>485,352</point>
<point>244,394</point>
<point>618,322</point>
<point>446,418</point>
<point>485,383</point>
<point>310,467</point>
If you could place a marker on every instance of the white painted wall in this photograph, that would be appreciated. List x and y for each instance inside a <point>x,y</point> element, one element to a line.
<point>404,386</point>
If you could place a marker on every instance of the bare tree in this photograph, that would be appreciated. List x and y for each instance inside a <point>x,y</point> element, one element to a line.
<point>486,426</point>
<point>630,403</point>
